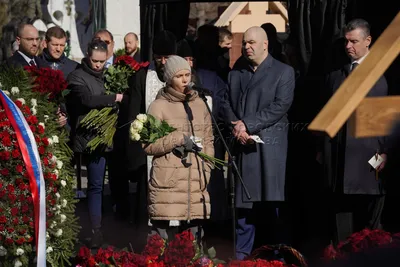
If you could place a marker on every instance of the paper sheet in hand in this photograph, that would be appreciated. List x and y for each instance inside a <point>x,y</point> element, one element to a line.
<point>257,139</point>
<point>375,161</point>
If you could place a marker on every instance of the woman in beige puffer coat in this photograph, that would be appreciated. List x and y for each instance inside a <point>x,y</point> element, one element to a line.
<point>178,185</point>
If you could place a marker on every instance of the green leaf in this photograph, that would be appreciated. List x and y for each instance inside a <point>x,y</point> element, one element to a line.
<point>212,253</point>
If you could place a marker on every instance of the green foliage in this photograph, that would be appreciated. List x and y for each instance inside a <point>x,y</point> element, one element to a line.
<point>62,246</point>
<point>120,52</point>
<point>116,78</point>
<point>103,124</point>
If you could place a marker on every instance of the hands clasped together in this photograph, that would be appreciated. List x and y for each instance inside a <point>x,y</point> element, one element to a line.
<point>240,133</point>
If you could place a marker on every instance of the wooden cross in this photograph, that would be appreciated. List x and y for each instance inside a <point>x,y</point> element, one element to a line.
<point>372,116</point>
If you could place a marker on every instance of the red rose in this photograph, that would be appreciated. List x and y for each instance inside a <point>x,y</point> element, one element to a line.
<point>154,246</point>
<point>19,168</point>
<point>16,154</point>
<point>4,172</point>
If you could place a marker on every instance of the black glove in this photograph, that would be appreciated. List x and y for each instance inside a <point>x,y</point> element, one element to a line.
<point>190,146</point>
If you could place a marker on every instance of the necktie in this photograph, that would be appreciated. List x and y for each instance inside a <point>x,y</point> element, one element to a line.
<point>354,65</point>
<point>32,63</point>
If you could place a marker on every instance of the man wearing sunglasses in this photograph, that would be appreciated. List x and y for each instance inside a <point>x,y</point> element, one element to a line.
<point>107,37</point>
<point>28,45</point>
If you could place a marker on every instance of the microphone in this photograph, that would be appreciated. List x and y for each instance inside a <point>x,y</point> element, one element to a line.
<point>193,86</point>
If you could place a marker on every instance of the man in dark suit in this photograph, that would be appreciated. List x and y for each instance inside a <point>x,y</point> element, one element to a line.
<point>358,193</point>
<point>28,42</point>
<point>260,93</point>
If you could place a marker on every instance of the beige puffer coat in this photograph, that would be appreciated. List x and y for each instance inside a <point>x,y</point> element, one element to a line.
<point>177,192</point>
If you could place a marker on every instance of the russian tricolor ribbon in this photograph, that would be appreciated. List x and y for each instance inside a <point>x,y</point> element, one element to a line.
<point>31,158</point>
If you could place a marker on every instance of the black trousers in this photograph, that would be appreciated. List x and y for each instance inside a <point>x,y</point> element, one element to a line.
<point>119,187</point>
<point>353,213</point>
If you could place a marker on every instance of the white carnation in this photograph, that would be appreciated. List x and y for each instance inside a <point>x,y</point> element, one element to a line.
<point>53,159</point>
<point>58,195</point>
<point>19,252</point>
<point>34,111</point>
<point>63,183</point>
<point>47,235</point>
<point>33,102</point>
<point>21,100</point>
<point>14,90</point>
<point>142,118</point>
<point>53,224</point>
<point>63,218</point>
<point>49,249</point>
<point>59,232</point>
<point>64,203</point>
<point>17,263</point>
<point>55,139</point>
<point>59,164</point>
<point>46,117</point>
<point>50,141</point>
<point>3,251</point>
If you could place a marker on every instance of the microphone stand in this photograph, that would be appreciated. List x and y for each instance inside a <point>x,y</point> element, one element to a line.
<point>231,174</point>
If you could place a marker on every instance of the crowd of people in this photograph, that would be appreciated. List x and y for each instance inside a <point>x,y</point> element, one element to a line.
<point>250,102</point>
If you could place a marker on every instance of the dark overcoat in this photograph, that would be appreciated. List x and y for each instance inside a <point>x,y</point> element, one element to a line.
<point>261,100</point>
<point>346,167</point>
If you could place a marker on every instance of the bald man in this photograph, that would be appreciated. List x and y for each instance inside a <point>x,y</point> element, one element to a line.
<point>260,93</point>
<point>131,42</point>
<point>28,46</point>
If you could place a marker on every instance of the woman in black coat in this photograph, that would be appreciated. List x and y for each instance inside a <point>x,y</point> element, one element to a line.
<point>87,92</point>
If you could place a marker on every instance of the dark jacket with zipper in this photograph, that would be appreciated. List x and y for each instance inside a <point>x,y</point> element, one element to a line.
<point>87,92</point>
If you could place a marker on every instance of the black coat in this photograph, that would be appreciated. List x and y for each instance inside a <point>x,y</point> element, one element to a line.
<point>346,158</point>
<point>17,60</point>
<point>261,99</point>
<point>65,64</point>
<point>87,93</point>
<point>129,155</point>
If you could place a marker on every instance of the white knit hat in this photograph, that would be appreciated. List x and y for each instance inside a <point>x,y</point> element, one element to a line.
<point>173,65</point>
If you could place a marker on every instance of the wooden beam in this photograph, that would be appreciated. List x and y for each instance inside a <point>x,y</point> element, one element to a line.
<point>375,116</point>
<point>357,85</point>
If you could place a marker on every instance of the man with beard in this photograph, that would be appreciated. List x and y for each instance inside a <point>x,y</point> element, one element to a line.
<point>128,159</point>
<point>131,42</point>
<point>28,42</point>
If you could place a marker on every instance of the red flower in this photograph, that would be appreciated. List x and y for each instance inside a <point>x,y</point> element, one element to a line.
<point>4,172</point>
<point>19,168</point>
<point>181,250</point>
<point>154,247</point>
<point>48,81</point>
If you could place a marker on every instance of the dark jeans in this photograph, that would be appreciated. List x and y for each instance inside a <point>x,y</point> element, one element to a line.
<point>95,172</point>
